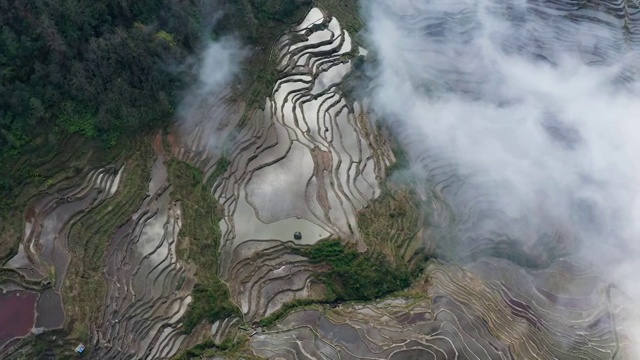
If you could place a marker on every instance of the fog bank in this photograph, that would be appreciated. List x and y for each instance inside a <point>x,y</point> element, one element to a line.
<point>535,103</point>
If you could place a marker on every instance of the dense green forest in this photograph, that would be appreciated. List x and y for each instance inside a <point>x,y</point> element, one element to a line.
<point>97,68</point>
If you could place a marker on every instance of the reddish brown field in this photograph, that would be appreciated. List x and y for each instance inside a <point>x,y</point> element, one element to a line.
<point>17,314</point>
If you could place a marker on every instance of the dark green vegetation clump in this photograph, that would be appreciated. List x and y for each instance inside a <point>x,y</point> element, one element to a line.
<point>357,276</point>
<point>94,68</point>
<point>395,257</point>
<point>286,309</point>
<point>199,242</point>
<point>210,302</point>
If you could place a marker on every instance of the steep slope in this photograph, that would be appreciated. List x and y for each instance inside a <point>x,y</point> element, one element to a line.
<point>233,235</point>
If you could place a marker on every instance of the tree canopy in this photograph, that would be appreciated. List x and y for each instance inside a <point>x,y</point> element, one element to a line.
<point>97,68</point>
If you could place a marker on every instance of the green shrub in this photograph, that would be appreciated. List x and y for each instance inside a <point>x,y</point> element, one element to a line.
<point>210,302</point>
<point>357,276</point>
<point>286,309</point>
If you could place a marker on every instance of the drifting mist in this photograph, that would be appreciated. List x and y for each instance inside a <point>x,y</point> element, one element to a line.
<point>203,109</point>
<point>535,104</point>
<point>213,69</point>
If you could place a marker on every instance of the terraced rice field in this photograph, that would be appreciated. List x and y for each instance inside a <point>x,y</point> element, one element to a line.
<point>306,163</point>
<point>148,291</point>
<point>491,309</point>
<point>43,255</point>
<point>310,166</point>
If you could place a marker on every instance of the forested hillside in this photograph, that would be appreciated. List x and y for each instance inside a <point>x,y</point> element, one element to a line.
<point>90,67</point>
<point>107,69</point>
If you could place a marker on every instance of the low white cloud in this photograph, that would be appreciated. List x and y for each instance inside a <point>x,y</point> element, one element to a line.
<point>204,107</point>
<point>220,62</point>
<point>534,102</point>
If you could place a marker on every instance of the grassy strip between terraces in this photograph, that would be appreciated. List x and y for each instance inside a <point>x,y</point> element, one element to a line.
<point>199,240</point>
<point>229,348</point>
<point>289,307</point>
<point>389,224</point>
<point>221,167</point>
<point>11,276</point>
<point>89,237</point>
<point>393,222</point>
